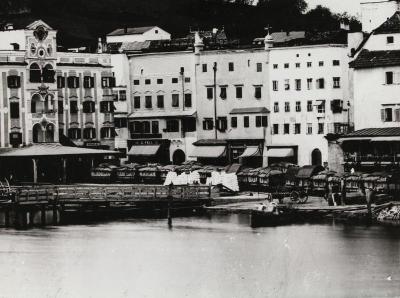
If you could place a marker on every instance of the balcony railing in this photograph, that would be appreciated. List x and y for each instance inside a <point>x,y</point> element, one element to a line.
<point>49,114</point>
<point>372,158</point>
<point>340,128</point>
<point>136,136</point>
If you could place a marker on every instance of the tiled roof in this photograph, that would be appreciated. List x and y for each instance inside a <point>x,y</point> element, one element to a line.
<point>392,25</point>
<point>256,110</point>
<point>279,37</point>
<point>135,46</point>
<point>369,59</point>
<point>130,31</point>
<point>52,149</point>
<point>375,132</point>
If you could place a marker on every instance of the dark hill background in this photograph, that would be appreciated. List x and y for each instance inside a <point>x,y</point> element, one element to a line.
<point>81,22</point>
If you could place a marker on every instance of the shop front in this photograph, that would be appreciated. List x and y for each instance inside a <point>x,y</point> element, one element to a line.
<point>149,151</point>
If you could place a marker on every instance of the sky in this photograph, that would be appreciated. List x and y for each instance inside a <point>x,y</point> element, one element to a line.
<point>351,6</point>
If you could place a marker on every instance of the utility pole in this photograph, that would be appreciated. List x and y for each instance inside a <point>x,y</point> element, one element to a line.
<point>215,100</point>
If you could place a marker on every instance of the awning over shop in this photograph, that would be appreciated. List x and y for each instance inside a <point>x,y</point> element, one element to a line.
<point>208,151</point>
<point>251,151</point>
<point>280,152</point>
<point>386,139</point>
<point>144,150</point>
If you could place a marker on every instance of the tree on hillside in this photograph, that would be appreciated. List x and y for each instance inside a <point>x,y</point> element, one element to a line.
<point>283,14</point>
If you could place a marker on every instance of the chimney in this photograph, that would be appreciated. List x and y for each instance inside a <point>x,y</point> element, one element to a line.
<point>344,25</point>
<point>126,29</point>
<point>9,26</point>
<point>100,46</point>
<point>198,43</point>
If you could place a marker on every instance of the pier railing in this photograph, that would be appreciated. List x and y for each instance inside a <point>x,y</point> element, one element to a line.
<point>112,193</point>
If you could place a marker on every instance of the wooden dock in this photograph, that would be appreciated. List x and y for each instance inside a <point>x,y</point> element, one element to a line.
<point>46,205</point>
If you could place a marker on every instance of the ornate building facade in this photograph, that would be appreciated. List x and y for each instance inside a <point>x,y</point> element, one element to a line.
<point>48,95</point>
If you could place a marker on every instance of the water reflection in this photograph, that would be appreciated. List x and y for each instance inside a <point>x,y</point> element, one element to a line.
<point>215,256</point>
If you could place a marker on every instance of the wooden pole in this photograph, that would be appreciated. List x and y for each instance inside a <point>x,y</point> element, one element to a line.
<point>64,171</point>
<point>35,174</point>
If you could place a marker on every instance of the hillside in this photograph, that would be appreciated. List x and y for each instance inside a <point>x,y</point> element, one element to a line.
<point>81,22</point>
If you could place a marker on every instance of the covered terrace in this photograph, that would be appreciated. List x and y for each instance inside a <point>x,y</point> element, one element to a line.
<point>50,162</point>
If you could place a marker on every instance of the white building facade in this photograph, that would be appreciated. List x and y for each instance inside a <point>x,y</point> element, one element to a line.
<point>162,122</point>
<point>137,34</point>
<point>309,100</point>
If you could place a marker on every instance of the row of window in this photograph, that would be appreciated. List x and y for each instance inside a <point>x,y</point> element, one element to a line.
<point>238,92</point>
<point>222,122</point>
<point>172,125</point>
<point>89,106</point>
<point>148,101</point>
<point>319,84</point>
<point>231,66</point>
<point>88,82</point>
<point>297,128</point>
<point>336,106</point>
<point>309,64</point>
<point>136,82</point>
<point>90,133</point>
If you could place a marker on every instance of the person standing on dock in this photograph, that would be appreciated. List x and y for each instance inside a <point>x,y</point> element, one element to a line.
<point>343,189</point>
<point>369,196</point>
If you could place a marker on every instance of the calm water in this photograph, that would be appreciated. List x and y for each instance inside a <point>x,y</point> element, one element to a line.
<point>217,257</point>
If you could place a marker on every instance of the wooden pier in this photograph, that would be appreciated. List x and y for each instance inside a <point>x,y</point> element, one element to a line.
<point>49,205</point>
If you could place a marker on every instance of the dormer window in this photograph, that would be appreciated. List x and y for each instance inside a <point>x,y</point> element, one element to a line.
<point>390,39</point>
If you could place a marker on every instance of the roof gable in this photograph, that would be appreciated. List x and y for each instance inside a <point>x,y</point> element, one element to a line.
<point>38,23</point>
<point>392,25</point>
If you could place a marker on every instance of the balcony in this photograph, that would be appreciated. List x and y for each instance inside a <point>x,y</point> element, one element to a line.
<point>340,128</point>
<point>51,114</point>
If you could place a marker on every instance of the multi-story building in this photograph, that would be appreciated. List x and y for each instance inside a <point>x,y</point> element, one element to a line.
<point>162,122</point>
<point>232,105</point>
<point>309,100</point>
<point>48,94</point>
<point>376,68</point>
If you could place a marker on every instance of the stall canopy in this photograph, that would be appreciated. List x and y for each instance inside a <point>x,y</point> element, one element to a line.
<point>280,152</point>
<point>251,151</point>
<point>308,171</point>
<point>208,151</point>
<point>53,149</point>
<point>144,150</point>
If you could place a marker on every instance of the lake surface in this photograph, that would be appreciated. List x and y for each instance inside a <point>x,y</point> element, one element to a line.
<point>220,256</point>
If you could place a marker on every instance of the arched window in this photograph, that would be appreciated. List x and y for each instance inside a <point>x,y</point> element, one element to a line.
<point>37,132</point>
<point>35,73</point>
<point>49,134</point>
<point>37,104</point>
<point>48,74</point>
